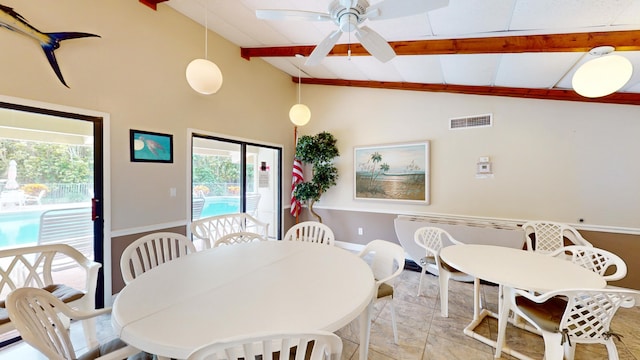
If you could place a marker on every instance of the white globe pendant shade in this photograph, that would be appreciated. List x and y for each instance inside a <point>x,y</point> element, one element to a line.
<point>602,76</point>
<point>204,76</point>
<point>300,114</point>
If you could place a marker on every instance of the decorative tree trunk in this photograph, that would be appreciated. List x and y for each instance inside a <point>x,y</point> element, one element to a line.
<point>311,202</point>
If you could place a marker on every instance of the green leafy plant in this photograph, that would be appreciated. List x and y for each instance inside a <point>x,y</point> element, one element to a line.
<point>319,151</point>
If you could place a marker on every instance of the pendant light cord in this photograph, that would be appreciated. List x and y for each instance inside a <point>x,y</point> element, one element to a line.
<point>299,84</point>
<point>206,29</point>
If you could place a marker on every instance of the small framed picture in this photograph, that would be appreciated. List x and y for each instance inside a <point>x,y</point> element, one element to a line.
<point>148,146</point>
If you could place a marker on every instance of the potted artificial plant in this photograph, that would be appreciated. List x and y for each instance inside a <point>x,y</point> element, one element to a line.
<point>319,151</point>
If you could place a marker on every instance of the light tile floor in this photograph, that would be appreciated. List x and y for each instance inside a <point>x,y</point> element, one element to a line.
<point>424,334</point>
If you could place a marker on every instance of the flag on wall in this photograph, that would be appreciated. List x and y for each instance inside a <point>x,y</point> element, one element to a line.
<point>296,178</point>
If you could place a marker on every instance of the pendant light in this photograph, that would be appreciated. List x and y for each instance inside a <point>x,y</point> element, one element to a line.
<point>602,75</point>
<point>300,114</point>
<point>203,75</point>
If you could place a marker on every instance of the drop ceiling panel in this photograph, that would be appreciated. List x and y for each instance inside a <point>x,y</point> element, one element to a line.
<point>470,69</point>
<point>535,70</point>
<point>397,29</point>
<point>419,69</point>
<point>630,15</point>
<point>374,70</point>
<point>343,68</point>
<point>471,16</point>
<point>554,14</point>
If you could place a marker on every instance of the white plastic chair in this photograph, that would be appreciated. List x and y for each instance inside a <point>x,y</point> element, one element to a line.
<point>433,239</point>
<point>35,266</point>
<point>239,238</point>
<point>595,259</point>
<point>35,315</point>
<point>549,236</point>
<point>323,345</point>
<point>387,262</point>
<point>568,317</point>
<point>310,231</point>
<point>153,250</point>
<point>211,228</point>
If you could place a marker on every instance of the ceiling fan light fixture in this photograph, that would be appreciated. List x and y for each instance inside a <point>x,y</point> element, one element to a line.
<point>603,75</point>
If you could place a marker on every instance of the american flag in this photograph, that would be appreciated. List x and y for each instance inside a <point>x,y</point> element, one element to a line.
<point>296,178</point>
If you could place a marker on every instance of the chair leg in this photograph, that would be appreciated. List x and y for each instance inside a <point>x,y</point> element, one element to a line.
<point>393,321</point>
<point>90,333</point>
<point>570,351</point>
<point>421,276</point>
<point>552,348</point>
<point>443,278</point>
<point>612,350</point>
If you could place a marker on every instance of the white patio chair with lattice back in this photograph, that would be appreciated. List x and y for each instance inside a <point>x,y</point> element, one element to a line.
<point>433,239</point>
<point>595,259</point>
<point>153,250</point>
<point>209,229</point>
<point>310,231</point>
<point>549,236</point>
<point>35,313</point>
<point>387,262</point>
<point>568,317</point>
<point>319,345</point>
<point>239,238</point>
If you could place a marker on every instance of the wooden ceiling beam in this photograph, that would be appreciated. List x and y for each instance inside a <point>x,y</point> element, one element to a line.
<point>544,94</point>
<point>152,3</point>
<point>572,42</point>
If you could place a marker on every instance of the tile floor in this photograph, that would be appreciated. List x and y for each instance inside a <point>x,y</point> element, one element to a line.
<point>424,334</point>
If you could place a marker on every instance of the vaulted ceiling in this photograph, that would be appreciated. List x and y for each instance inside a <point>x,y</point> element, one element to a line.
<point>519,48</point>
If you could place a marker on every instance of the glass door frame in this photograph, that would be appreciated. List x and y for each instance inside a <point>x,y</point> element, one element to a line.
<point>102,181</point>
<point>191,133</point>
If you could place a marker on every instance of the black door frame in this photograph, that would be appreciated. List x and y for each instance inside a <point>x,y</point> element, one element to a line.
<point>243,171</point>
<point>98,181</point>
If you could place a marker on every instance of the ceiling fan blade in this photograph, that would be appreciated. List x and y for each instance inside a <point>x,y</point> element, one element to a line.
<point>389,9</point>
<point>348,3</point>
<point>375,44</point>
<point>323,48</point>
<point>267,14</point>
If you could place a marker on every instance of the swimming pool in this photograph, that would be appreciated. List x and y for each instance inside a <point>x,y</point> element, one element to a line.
<point>19,228</point>
<point>218,205</point>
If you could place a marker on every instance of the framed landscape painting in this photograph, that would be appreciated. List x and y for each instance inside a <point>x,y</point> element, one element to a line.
<point>148,146</point>
<point>392,172</point>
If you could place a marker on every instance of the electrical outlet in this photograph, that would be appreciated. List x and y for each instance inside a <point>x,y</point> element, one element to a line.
<point>360,232</point>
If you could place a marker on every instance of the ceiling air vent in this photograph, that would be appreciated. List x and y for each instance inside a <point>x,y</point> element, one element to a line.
<point>473,121</point>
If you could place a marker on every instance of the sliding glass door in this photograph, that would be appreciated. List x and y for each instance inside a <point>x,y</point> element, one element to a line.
<point>232,176</point>
<point>51,187</point>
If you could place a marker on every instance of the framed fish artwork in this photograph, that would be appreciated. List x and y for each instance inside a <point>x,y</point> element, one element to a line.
<point>148,146</point>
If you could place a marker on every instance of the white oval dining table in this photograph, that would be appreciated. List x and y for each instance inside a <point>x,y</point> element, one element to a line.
<point>265,286</point>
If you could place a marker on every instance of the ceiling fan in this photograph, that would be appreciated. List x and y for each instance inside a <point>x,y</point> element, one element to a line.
<point>348,15</point>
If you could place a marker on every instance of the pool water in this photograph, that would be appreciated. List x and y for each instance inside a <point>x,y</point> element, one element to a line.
<point>17,229</point>
<point>21,228</point>
<point>219,205</point>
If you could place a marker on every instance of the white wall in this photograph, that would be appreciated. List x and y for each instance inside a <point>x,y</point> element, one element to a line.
<point>552,160</point>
